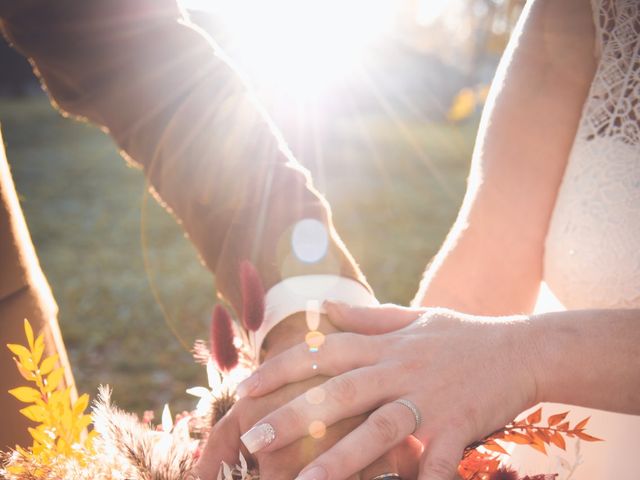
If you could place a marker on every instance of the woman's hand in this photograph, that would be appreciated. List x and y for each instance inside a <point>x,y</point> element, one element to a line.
<point>466,375</point>
<point>284,464</point>
<point>224,441</point>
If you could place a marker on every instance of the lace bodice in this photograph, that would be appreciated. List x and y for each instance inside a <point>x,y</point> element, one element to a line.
<point>592,256</point>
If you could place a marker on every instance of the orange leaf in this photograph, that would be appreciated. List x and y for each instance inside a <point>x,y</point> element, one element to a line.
<point>541,436</point>
<point>519,438</point>
<point>540,447</point>
<point>582,424</point>
<point>558,441</point>
<point>535,417</point>
<point>588,438</point>
<point>563,427</point>
<point>556,419</point>
<point>494,447</point>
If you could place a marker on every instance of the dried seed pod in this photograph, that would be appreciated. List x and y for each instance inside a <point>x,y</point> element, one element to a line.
<point>223,351</point>
<point>253,307</point>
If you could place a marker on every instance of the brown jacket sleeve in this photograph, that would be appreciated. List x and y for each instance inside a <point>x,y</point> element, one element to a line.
<point>177,109</point>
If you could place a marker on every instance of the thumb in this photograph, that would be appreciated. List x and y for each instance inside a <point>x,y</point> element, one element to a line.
<point>371,320</point>
<point>441,458</point>
<point>223,444</point>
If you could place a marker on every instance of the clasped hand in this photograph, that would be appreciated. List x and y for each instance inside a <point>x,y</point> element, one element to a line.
<point>466,375</point>
<point>285,463</point>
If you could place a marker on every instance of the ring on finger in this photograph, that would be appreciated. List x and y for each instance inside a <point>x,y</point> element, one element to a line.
<point>414,410</point>
<point>387,476</point>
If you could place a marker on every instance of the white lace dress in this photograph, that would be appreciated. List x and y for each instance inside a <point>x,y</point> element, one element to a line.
<point>592,256</point>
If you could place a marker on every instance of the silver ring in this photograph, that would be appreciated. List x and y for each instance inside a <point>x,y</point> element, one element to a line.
<point>387,476</point>
<point>414,410</point>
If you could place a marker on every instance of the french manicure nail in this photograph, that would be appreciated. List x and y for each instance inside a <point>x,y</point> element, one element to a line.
<point>314,473</point>
<point>248,385</point>
<point>258,437</point>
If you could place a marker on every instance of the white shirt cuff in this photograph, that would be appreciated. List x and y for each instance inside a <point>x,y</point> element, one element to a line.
<point>307,293</point>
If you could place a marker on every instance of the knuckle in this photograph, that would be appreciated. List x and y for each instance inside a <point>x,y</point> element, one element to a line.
<point>343,390</point>
<point>240,407</point>
<point>292,418</point>
<point>342,339</point>
<point>383,428</point>
<point>440,467</point>
<point>411,364</point>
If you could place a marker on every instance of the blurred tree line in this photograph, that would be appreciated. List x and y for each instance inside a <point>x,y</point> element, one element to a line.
<point>458,47</point>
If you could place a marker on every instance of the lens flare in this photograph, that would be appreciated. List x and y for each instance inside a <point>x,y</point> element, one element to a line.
<point>317,429</point>
<point>301,47</point>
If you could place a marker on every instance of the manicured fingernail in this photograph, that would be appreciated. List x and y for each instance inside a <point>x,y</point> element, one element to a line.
<point>314,473</point>
<point>258,437</point>
<point>248,385</point>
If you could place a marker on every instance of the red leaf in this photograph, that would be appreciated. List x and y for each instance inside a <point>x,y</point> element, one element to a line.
<point>535,417</point>
<point>563,427</point>
<point>556,419</point>
<point>252,296</point>
<point>223,350</point>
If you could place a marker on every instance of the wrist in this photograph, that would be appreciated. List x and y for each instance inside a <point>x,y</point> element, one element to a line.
<point>541,357</point>
<point>526,342</point>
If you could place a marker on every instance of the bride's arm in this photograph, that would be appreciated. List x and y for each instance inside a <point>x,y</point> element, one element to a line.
<point>589,358</point>
<point>491,262</point>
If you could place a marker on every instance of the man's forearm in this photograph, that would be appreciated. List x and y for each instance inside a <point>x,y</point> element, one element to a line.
<point>178,110</point>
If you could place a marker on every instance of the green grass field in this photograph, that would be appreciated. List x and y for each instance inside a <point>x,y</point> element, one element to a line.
<point>394,188</point>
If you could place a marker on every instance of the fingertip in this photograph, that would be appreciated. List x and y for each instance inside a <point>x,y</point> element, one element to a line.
<point>344,316</point>
<point>316,472</point>
<point>335,309</point>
